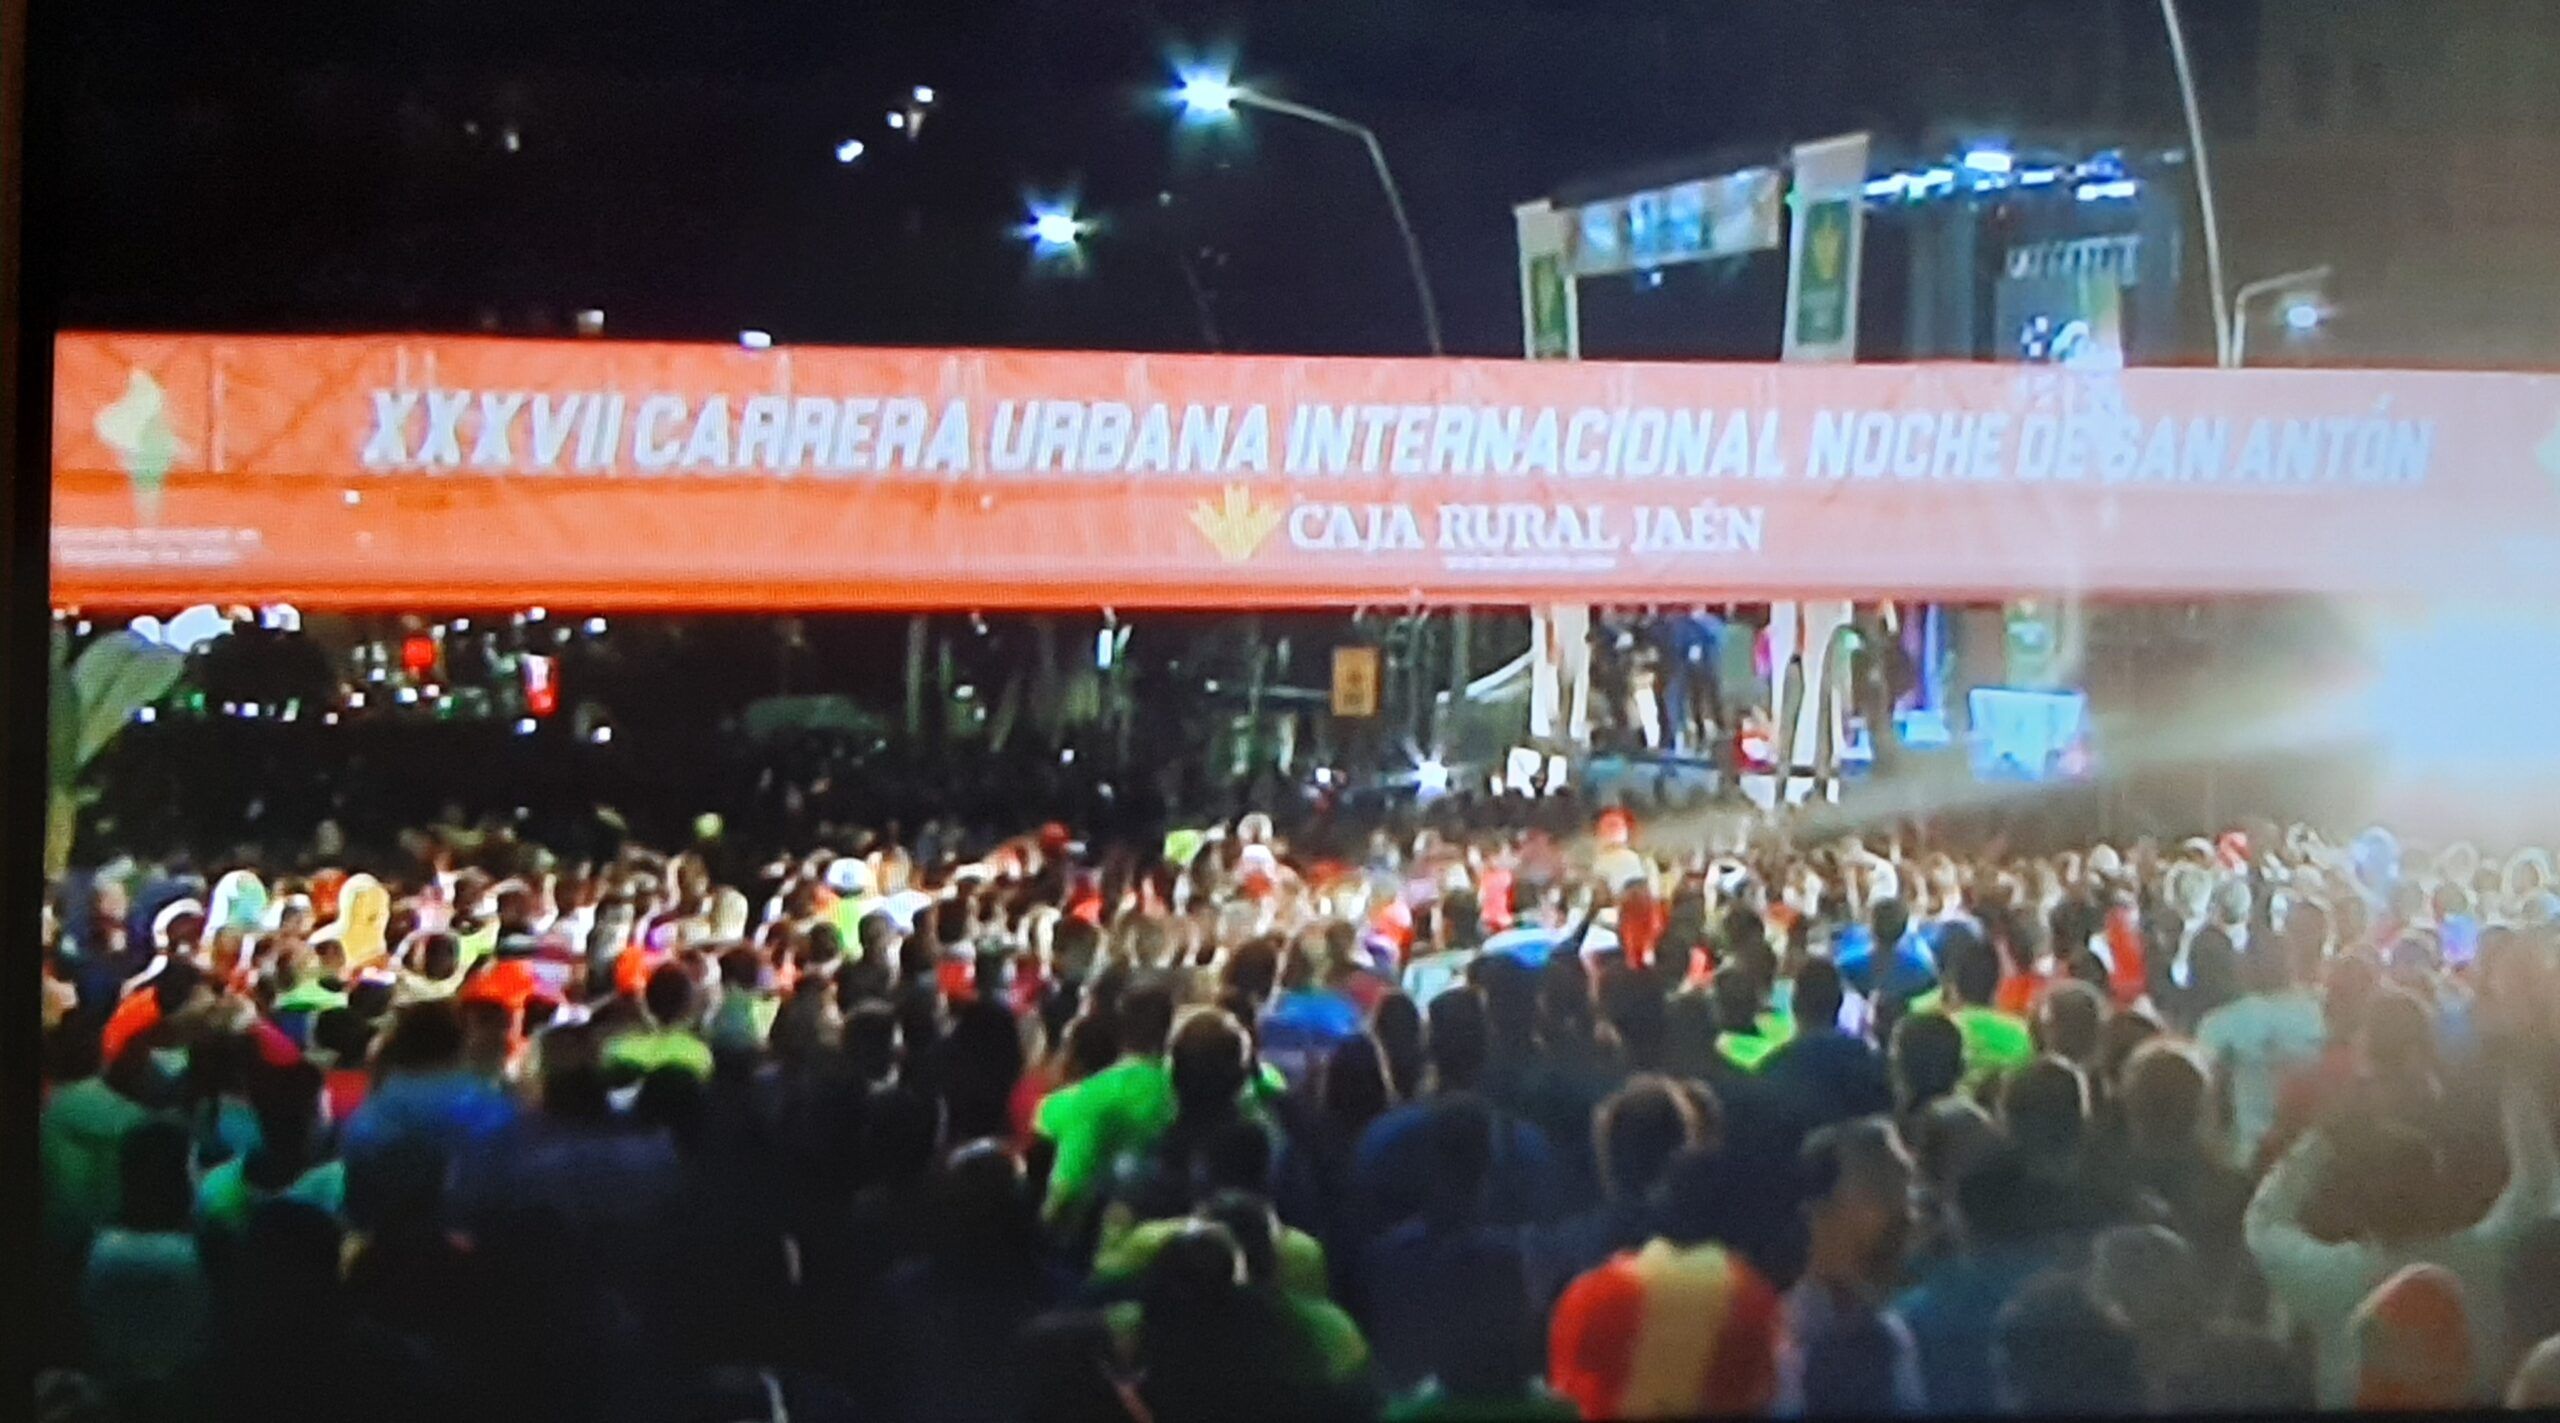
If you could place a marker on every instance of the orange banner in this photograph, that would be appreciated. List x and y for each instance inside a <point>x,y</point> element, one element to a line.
<point>462,472</point>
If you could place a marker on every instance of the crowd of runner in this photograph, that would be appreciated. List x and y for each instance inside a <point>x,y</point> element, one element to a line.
<point>1474,1125</point>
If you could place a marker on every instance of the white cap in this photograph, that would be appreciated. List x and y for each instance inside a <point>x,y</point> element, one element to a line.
<point>849,876</point>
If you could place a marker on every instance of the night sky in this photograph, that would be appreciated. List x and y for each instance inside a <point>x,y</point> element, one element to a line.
<point>265,166</point>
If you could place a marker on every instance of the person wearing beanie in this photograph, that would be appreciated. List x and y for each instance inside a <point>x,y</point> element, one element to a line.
<point>1680,1326</point>
<point>2396,1182</point>
<point>2413,1343</point>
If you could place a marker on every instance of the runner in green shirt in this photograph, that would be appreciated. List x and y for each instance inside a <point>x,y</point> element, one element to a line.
<point>1122,1108</point>
<point>225,1196</point>
<point>1738,1002</point>
<point>285,1164</point>
<point>1994,1042</point>
<point>671,1042</point>
<point>1323,1327</point>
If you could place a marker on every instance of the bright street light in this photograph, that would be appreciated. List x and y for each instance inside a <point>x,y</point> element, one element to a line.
<point>849,150</point>
<point>1208,93</point>
<point>2304,309</point>
<point>1054,229</point>
<point>924,93</point>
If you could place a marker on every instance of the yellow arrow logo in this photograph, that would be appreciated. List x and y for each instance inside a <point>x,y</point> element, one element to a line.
<point>1236,526</point>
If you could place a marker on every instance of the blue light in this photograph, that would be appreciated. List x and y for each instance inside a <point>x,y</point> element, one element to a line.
<point>1994,161</point>
<point>2039,177</point>
<point>2114,188</point>
<point>1054,228</point>
<point>1888,186</point>
<point>1205,92</point>
<point>2304,315</point>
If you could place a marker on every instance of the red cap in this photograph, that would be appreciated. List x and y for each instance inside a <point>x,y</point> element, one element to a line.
<point>509,981</point>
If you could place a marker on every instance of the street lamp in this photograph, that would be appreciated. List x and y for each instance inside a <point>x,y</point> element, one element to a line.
<point>2222,319</point>
<point>1209,94</point>
<point>1206,93</point>
<point>2302,314</point>
<point>1053,228</point>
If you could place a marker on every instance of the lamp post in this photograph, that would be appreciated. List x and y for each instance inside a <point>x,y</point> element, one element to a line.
<point>1210,95</point>
<point>2299,283</point>
<point>2204,181</point>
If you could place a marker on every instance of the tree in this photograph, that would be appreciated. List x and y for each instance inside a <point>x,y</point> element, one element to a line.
<point>94,697</point>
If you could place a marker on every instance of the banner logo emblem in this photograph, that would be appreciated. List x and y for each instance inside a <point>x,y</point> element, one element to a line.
<point>1236,526</point>
<point>136,427</point>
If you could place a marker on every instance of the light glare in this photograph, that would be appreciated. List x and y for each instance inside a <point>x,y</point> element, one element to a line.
<point>1206,92</point>
<point>1054,228</point>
